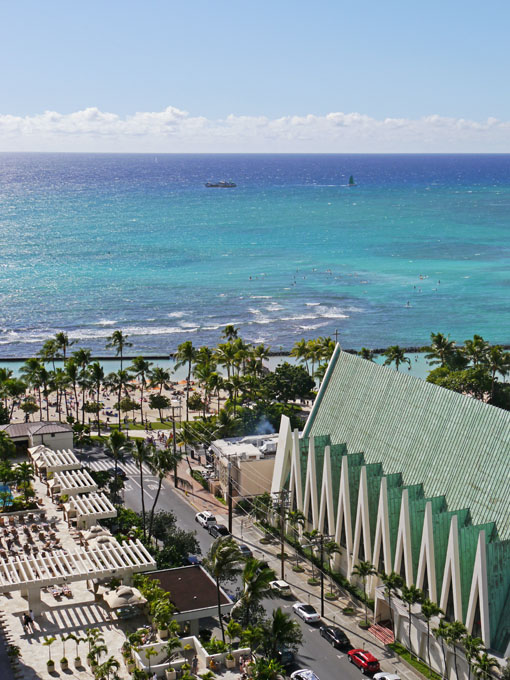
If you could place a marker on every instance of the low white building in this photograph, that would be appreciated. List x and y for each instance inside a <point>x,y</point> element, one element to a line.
<point>251,461</point>
<point>54,435</point>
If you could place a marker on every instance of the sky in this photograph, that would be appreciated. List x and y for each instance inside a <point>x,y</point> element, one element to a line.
<point>212,75</point>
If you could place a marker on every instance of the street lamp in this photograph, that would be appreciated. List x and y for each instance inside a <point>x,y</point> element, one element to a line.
<point>175,403</point>
<point>282,503</point>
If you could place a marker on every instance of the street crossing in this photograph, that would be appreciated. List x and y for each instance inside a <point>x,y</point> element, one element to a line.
<point>129,467</point>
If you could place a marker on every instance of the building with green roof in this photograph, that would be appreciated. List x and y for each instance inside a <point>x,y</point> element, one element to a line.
<point>413,478</point>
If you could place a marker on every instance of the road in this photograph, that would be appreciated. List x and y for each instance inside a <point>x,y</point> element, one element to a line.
<point>315,652</point>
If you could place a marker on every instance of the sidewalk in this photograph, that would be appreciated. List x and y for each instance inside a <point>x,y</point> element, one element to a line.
<point>246,532</point>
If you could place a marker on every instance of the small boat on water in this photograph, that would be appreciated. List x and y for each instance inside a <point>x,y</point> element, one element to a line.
<point>221,185</point>
<point>352,183</point>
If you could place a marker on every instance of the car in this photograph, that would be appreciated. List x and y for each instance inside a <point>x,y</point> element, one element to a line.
<point>205,518</point>
<point>217,530</point>
<point>245,551</point>
<point>336,636</point>
<point>386,676</point>
<point>191,560</point>
<point>304,674</point>
<point>285,657</point>
<point>306,612</point>
<point>365,661</point>
<point>280,588</point>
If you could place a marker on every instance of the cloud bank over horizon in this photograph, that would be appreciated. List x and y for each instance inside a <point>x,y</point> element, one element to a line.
<point>175,130</point>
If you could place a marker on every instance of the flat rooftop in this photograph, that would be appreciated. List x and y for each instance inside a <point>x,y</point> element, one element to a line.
<point>190,587</point>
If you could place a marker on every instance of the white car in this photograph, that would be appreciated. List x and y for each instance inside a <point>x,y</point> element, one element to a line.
<point>205,518</point>
<point>306,612</point>
<point>304,674</point>
<point>386,676</point>
<point>280,588</point>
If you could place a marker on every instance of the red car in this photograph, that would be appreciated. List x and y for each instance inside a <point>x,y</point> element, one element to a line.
<point>365,661</point>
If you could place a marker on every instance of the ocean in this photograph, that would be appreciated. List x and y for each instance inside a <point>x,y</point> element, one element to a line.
<point>93,242</point>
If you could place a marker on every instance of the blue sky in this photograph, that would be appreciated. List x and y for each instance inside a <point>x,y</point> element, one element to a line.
<point>396,59</point>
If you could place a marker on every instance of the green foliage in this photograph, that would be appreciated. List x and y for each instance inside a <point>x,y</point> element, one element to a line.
<point>195,402</point>
<point>419,665</point>
<point>288,383</point>
<point>4,415</point>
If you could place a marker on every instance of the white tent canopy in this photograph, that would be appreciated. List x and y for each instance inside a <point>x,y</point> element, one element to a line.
<point>72,482</point>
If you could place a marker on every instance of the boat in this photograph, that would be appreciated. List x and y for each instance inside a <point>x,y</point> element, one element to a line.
<point>352,183</point>
<point>221,185</point>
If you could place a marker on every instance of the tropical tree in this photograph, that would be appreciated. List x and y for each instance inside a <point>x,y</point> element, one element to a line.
<point>226,356</point>
<point>476,350</point>
<point>441,634</point>
<point>440,350</point>
<point>396,355</point>
<point>392,583</point>
<point>455,633</point>
<point>473,647</point>
<point>7,447</point>
<point>82,357</point>
<point>31,372</point>
<point>160,377</point>
<point>50,352</point>
<point>223,562</point>
<point>118,341</point>
<point>185,356</point>
<point>428,610</point>
<point>280,632</point>
<point>120,383</point>
<point>411,595</point>
<point>367,354</point>
<point>108,669</point>
<point>142,453</point>
<point>256,577</point>
<point>24,475</point>
<point>483,665</point>
<point>301,352</point>
<point>364,569</point>
<point>214,385</point>
<point>230,332</point>
<point>116,447</point>
<point>62,342</point>
<point>48,641</point>
<point>72,370</point>
<point>162,462</point>
<point>141,369</point>
<point>267,669</point>
<point>96,373</point>
<point>296,519</point>
<point>497,361</point>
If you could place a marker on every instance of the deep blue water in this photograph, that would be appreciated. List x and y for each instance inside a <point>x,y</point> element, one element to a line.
<point>91,243</point>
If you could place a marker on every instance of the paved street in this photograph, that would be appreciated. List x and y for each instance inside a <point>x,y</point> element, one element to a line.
<point>315,652</point>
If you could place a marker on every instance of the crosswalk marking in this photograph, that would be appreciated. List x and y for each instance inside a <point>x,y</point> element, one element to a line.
<point>108,464</point>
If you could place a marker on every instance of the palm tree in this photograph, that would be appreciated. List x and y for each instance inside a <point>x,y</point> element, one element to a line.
<point>364,569</point>
<point>301,352</point>
<point>411,595</point>
<point>203,372</point>
<point>31,372</point>
<point>267,669</point>
<point>429,609</point>
<point>105,670</point>
<point>214,385</point>
<point>141,368</point>
<point>441,348</point>
<point>396,355</point>
<point>73,374</point>
<point>116,447</point>
<point>483,665</point>
<point>280,632</point>
<point>119,382</point>
<point>82,357</point>
<point>24,474</point>
<point>392,583</point>
<point>226,356</point>
<point>230,332</point>
<point>163,461</point>
<point>498,361</point>
<point>476,350</point>
<point>50,352</point>
<point>472,648</point>
<point>185,356</point>
<point>259,354</point>
<point>256,577</point>
<point>296,519</point>
<point>456,631</point>
<point>441,634</point>
<point>118,341</point>
<point>160,377</point>
<point>367,354</point>
<point>143,454</point>
<point>223,562</point>
<point>48,641</point>
<point>96,373</point>
<point>62,342</point>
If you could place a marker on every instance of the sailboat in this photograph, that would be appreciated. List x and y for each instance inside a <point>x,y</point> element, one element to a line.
<point>352,183</point>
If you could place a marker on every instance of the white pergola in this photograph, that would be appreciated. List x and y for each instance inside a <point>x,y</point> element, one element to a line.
<point>44,458</point>
<point>29,574</point>
<point>72,482</point>
<point>88,508</point>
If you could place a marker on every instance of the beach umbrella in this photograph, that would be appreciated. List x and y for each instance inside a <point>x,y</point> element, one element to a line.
<point>124,596</point>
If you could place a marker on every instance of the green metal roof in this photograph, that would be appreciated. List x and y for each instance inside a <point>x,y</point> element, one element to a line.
<point>455,445</point>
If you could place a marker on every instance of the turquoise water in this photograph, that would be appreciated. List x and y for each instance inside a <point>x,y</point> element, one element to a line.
<point>91,243</point>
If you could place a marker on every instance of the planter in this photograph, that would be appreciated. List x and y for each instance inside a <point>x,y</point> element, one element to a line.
<point>331,596</point>
<point>64,664</point>
<point>163,634</point>
<point>363,625</point>
<point>230,663</point>
<point>170,674</point>
<point>77,661</point>
<point>298,569</point>
<point>50,665</point>
<point>313,582</point>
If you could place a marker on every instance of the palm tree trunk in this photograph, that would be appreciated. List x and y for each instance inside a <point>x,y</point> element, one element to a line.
<point>154,507</point>
<point>76,400</point>
<point>219,608</point>
<point>141,400</point>
<point>140,464</point>
<point>98,420</point>
<point>428,644</point>
<point>409,634</point>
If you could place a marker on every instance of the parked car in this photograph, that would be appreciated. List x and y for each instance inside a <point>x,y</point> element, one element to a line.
<point>191,559</point>
<point>280,588</point>
<point>120,473</point>
<point>306,612</point>
<point>285,657</point>
<point>386,676</point>
<point>365,661</point>
<point>304,674</point>
<point>218,530</point>
<point>205,518</point>
<point>335,636</point>
<point>245,550</point>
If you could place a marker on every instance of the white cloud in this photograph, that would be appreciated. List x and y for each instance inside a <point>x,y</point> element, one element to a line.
<point>176,130</point>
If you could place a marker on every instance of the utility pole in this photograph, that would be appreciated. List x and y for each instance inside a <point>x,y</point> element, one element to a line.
<point>174,440</point>
<point>322,573</point>
<point>283,505</point>
<point>229,496</point>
